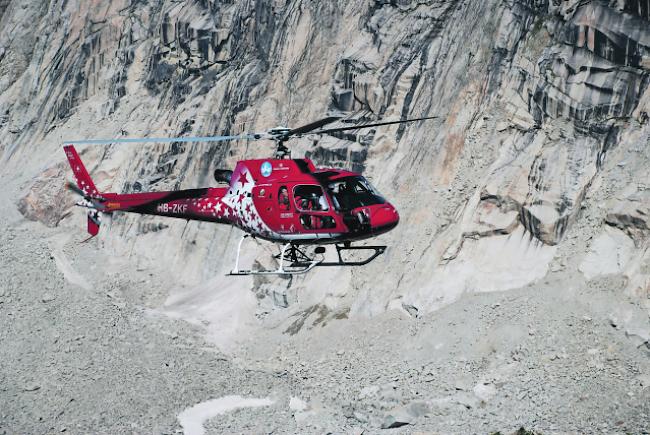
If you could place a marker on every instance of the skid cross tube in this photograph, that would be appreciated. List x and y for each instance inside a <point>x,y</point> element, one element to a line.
<point>296,255</point>
<point>300,262</point>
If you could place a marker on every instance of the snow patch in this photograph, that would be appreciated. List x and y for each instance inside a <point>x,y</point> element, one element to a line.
<point>192,419</point>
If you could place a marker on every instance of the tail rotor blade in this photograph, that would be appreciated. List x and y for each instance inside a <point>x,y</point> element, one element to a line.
<point>73,187</point>
<point>89,199</point>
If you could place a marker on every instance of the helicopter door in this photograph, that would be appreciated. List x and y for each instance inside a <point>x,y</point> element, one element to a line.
<point>264,202</point>
<point>285,217</point>
<point>274,205</point>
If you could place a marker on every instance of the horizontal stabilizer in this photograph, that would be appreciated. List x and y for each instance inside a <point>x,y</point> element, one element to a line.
<point>94,221</point>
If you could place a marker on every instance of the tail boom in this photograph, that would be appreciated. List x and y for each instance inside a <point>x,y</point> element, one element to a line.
<point>204,204</point>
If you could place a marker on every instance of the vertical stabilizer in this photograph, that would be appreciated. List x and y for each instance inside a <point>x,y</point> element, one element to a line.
<point>84,182</point>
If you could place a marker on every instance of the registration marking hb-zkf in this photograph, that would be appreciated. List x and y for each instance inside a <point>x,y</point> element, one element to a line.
<point>171,208</point>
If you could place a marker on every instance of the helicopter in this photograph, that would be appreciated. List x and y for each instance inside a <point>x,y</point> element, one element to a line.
<point>281,200</point>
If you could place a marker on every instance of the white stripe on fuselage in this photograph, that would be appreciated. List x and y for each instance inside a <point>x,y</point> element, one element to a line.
<point>240,199</point>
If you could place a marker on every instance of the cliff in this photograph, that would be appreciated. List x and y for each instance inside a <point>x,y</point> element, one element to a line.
<point>536,168</point>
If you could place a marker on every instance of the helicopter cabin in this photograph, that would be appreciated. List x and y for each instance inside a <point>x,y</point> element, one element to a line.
<point>292,195</point>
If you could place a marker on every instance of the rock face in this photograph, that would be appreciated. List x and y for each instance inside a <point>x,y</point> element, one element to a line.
<point>533,178</point>
<point>532,98</point>
<point>48,200</point>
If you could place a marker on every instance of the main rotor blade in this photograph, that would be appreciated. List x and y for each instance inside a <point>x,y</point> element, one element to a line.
<point>313,125</point>
<point>161,139</point>
<point>376,124</point>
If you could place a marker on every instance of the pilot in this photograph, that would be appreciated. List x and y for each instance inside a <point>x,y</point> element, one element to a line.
<point>345,192</point>
<point>322,203</point>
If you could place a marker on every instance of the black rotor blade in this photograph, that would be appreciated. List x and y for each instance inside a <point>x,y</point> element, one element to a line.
<point>75,189</point>
<point>376,124</point>
<point>313,125</point>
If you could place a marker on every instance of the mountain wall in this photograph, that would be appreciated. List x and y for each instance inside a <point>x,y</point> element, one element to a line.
<point>536,164</point>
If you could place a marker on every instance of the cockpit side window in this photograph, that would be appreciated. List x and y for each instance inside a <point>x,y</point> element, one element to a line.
<point>310,198</point>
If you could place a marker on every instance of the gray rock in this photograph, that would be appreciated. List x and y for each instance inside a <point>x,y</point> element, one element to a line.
<point>404,415</point>
<point>48,297</point>
<point>392,421</point>
<point>639,335</point>
<point>31,387</point>
<point>360,417</point>
<point>411,309</point>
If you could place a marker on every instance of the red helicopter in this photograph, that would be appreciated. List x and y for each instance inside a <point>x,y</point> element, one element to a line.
<point>282,200</point>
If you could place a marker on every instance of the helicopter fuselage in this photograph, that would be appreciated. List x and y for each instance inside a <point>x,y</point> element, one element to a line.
<point>280,200</point>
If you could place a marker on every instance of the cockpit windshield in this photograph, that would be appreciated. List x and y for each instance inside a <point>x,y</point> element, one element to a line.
<point>352,192</point>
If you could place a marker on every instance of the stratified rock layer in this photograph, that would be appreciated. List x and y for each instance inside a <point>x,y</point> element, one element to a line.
<point>531,99</point>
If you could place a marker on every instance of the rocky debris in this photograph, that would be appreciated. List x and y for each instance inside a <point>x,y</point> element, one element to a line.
<point>404,415</point>
<point>394,374</point>
<point>301,410</point>
<point>640,336</point>
<point>484,391</point>
<point>82,351</point>
<point>31,387</point>
<point>48,297</point>
<point>391,421</point>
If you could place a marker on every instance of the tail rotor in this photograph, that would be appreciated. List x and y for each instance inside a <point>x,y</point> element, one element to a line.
<point>96,210</point>
<point>91,198</point>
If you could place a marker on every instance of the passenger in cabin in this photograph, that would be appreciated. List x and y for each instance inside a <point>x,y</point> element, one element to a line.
<point>301,203</point>
<point>314,202</point>
<point>283,199</point>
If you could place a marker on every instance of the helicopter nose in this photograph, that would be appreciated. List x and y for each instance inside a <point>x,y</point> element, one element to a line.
<point>384,217</point>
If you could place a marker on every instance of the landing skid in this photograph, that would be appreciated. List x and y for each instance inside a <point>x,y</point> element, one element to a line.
<point>295,261</point>
<point>377,251</point>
